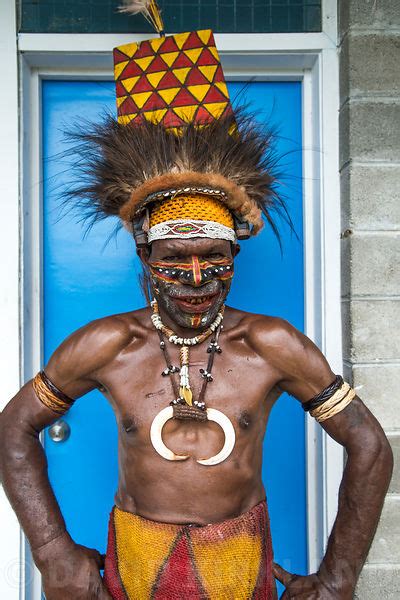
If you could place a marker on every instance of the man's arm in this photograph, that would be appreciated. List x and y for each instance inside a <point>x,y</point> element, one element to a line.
<point>24,468</point>
<point>23,464</point>
<point>364,485</point>
<point>362,491</point>
<point>305,372</point>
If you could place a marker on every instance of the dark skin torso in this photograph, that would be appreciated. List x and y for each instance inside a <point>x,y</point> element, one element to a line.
<point>158,489</point>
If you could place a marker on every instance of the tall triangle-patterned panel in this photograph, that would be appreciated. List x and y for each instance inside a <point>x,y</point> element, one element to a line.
<point>171,80</point>
<point>229,16</point>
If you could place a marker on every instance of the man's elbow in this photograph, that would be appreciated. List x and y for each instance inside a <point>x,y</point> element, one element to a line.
<point>16,442</point>
<point>373,450</point>
<point>384,454</point>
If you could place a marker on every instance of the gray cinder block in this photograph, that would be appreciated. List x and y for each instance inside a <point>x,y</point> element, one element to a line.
<point>378,387</point>
<point>395,483</point>
<point>369,330</point>
<point>375,14</point>
<point>379,583</point>
<point>367,65</point>
<point>370,197</point>
<point>386,545</point>
<point>373,263</point>
<point>369,131</point>
<point>346,267</point>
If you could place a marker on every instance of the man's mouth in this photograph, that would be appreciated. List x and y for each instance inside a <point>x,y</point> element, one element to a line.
<point>195,304</point>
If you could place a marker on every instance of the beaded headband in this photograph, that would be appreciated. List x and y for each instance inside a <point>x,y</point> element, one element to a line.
<point>190,215</point>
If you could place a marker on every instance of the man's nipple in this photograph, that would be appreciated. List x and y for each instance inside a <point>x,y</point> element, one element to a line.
<point>129,425</point>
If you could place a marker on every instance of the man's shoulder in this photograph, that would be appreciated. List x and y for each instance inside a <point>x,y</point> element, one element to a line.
<point>113,330</point>
<point>98,342</point>
<point>273,338</point>
<point>121,327</point>
<point>301,368</point>
<point>264,330</point>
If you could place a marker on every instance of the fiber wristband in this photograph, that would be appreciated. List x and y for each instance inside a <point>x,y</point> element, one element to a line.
<point>50,395</point>
<point>335,404</point>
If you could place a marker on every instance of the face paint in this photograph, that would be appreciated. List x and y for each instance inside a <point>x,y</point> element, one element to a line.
<point>196,321</point>
<point>192,292</point>
<point>195,272</point>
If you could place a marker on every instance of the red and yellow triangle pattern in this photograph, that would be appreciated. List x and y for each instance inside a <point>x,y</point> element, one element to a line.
<point>147,560</point>
<point>171,80</point>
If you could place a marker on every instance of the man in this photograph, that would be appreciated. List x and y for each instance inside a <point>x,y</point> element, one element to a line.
<point>192,382</point>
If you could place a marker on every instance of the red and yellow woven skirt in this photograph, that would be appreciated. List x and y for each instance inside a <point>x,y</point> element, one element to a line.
<point>231,560</point>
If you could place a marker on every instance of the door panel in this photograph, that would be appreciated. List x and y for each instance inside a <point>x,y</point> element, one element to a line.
<point>85,279</point>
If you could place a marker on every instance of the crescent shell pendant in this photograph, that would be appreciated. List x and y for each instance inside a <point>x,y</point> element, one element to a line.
<point>155,435</point>
<point>213,415</point>
<point>218,417</point>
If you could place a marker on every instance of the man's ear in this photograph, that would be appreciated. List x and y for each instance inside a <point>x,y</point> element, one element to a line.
<point>144,254</point>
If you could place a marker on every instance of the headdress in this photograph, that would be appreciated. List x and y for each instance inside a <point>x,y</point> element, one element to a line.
<point>177,162</point>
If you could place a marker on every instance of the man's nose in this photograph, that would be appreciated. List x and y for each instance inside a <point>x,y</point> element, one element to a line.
<point>194,274</point>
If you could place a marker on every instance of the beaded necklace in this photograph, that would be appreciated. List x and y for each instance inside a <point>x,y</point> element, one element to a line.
<point>180,341</point>
<point>183,403</point>
<point>183,406</point>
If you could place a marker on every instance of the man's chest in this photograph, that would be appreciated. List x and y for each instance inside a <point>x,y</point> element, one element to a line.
<point>241,385</point>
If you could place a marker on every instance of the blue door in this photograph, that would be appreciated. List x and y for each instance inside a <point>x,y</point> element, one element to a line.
<point>86,279</point>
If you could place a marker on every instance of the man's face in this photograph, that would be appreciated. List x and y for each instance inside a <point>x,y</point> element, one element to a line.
<point>191,278</point>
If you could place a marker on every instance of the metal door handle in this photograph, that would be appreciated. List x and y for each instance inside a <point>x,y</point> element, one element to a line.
<point>59,431</point>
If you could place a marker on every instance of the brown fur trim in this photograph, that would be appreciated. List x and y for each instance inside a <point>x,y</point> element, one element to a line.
<point>236,198</point>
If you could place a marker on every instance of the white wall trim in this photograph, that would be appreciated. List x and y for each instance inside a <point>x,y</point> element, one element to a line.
<point>333,455</point>
<point>102,42</point>
<point>10,542</point>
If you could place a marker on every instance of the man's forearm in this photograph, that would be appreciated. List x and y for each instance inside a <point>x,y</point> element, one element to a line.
<point>23,468</point>
<point>362,492</point>
<point>68,570</point>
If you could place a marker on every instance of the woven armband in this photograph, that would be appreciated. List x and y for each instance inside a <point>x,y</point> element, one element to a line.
<point>334,404</point>
<point>50,395</point>
<point>323,396</point>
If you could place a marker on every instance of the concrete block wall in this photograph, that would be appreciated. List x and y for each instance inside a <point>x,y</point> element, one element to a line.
<point>369,47</point>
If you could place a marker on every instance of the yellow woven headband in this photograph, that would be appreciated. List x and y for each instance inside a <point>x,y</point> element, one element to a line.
<point>189,216</point>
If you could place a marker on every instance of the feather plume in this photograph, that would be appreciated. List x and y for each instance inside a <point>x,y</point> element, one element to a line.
<point>114,160</point>
<point>149,9</point>
<point>134,6</point>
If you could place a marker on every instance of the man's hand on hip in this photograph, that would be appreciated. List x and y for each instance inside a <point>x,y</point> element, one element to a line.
<point>71,571</point>
<point>308,587</point>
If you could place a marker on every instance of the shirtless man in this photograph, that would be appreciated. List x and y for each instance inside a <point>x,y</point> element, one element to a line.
<point>188,189</point>
<point>120,355</point>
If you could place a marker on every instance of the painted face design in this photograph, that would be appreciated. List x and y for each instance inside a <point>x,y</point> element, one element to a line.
<point>192,292</point>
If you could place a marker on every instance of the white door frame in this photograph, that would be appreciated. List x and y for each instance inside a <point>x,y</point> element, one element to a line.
<point>10,540</point>
<point>310,58</point>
